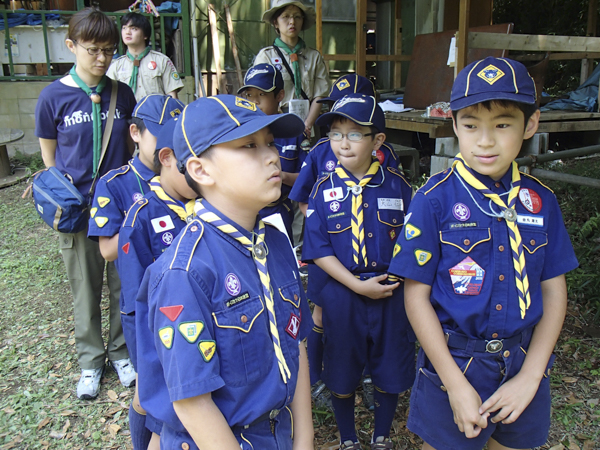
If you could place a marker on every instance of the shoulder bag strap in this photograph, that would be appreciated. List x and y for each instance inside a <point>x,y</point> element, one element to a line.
<point>287,67</point>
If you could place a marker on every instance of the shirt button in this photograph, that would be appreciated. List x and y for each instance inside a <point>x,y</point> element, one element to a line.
<point>501,277</point>
<point>532,242</point>
<point>506,354</point>
<point>365,205</point>
<point>370,235</point>
<point>394,220</point>
<point>497,185</point>
<point>467,242</point>
<point>194,228</point>
<point>501,248</point>
<point>338,226</point>
<point>498,307</point>
<point>185,446</point>
<point>443,388</point>
<point>499,219</point>
<point>244,319</point>
<point>495,335</point>
<point>373,264</point>
<point>295,296</point>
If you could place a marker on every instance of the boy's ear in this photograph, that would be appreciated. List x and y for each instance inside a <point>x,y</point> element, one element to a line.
<point>199,170</point>
<point>166,157</point>
<point>280,95</point>
<point>532,125</point>
<point>134,131</point>
<point>379,140</point>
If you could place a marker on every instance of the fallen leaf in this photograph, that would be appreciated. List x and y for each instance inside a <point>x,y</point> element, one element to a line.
<point>588,445</point>
<point>43,423</point>
<point>56,434</point>
<point>66,427</point>
<point>113,429</point>
<point>66,396</point>
<point>557,447</point>
<point>573,445</point>
<point>570,379</point>
<point>112,395</point>
<point>593,402</point>
<point>67,412</point>
<point>8,410</point>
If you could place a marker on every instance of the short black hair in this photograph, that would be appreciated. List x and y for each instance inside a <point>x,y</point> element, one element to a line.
<point>139,21</point>
<point>139,123</point>
<point>156,166</point>
<point>527,109</point>
<point>92,25</point>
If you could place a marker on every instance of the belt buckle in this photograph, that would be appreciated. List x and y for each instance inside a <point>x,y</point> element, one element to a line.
<point>494,346</point>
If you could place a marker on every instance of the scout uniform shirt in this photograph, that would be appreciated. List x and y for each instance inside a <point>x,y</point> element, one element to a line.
<point>157,74</point>
<point>453,243</point>
<point>210,325</point>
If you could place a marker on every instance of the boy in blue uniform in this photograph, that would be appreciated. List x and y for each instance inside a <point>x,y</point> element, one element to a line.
<point>484,253</point>
<point>263,85</point>
<point>354,216</point>
<point>149,228</point>
<point>226,307</point>
<point>320,162</point>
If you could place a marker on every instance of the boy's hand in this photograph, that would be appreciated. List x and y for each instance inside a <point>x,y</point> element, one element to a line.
<point>466,406</point>
<point>372,289</point>
<point>511,399</point>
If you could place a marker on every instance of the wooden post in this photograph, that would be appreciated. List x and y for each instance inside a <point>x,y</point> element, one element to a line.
<point>586,64</point>
<point>398,45</point>
<point>463,33</point>
<point>236,58</point>
<point>361,37</point>
<point>212,18</point>
<point>319,8</point>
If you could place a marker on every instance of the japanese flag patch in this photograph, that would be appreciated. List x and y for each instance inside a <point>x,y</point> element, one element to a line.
<point>161,224</point>
<point>333,194</point>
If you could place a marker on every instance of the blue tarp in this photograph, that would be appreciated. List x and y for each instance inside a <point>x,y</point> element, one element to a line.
<point>584,98</point>
<point>171,23</point>
<point>15,19</point>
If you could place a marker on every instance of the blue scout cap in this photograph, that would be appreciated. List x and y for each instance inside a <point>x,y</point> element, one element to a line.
<point>349,84</point>
<point>492,79</point>
<point>223,118</point>
<point>165,137</point>
<point>264,77</point>
<point>359,108</point>
<point>157,109</point>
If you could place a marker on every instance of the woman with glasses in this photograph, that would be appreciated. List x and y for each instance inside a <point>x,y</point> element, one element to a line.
<point>65,116</point>
<point>304,71</point>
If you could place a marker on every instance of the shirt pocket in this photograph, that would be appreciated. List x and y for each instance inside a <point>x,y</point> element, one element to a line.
<point>290,317</point>
<point>340,236</point>
<point>389,223</point>
<point>534,248</point>
<point>243,342</point>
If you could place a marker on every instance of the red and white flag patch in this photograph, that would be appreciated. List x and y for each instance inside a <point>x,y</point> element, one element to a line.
<point>161,224</point>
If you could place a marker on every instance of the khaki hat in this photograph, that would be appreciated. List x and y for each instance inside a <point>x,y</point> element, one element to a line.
<point>310,16</point>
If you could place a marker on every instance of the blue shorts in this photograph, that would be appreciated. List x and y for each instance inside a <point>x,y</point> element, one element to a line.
<point>256,437</point>
<point>360,331</point>
<point>431,416</point>
<point>128,324</point>
<point>153,424</point>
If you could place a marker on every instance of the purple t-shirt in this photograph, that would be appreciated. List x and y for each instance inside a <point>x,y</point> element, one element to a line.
<point>64,113</point>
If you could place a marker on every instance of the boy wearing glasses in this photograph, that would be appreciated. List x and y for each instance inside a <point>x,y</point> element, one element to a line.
<point>354,215</point>
<point>145,71</point>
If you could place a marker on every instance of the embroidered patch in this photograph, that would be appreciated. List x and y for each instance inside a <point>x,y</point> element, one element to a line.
<point>293,326</point>
<point>103,201</point>
<point>463,225</point>
<point>330,166</point>
<point>490,74</point>
<point>334,206</point>
<point>175,76</point>
<point>335,216</point>
<point>461,212</point>
<point>191,330</point>
<point>207,349</point>
<point>395,204</point>
<point>172,312</point>
<point>238,299</point>
<point>275,61</point>
<point>380,156</point>
<point>397,249</point>
<point>93,212</point>
<point>467,277</point>
<point>243,103</point>
<point>407,218</point>
<point>166,336</point>
<point>333,194</point>
<point>422,256</point>
<point>152,65</point>
<point>393,234</point>
<point>101,221</point>
<point>525,219</point>
<point>305,145</point>
<point>232,284</point>
<point>167,238</point>
<point>137,197</point>
<point>125,248</point>
<point>411,232</point>
<point>161,224</point>
<point>342,84</point>
<point>530,200</point>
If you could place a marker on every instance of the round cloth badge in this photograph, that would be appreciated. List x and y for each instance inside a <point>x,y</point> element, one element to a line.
<point>152,65</point>
<point>380,156</point>
<point>530,200</point>
<point>334,206</point>
<point>461,212</point>
<point>137,196</point>
<point>330,166</point>
<point>167,238</point>
<point>232,284</point>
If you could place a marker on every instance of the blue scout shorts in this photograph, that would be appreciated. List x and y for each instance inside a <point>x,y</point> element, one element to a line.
<point>431,416</point>
<point>275,434</point>
<point>359,331</point>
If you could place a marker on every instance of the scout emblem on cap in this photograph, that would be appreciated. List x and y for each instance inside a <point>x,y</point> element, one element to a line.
<point>207,349</point>
<point>343,84</point>
<point>467,277</point>
<point>253,72</point>
<point>242,103</point>
<point>191,330</point>
<point>461,212</point>
<point>490,74</point>
<point>232,284</point>
<point>166,336</point>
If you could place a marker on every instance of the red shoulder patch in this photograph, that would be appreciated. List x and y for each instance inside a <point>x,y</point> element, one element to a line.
<point>125,248</point>
<point>172,312</point>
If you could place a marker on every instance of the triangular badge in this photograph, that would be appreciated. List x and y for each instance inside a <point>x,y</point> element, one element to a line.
<point>172,312</point>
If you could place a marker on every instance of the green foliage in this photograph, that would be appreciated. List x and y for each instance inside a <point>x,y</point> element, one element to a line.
<point>33,162</point>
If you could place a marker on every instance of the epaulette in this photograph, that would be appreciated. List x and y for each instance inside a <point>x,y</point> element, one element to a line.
<point>121,57</point>
<point>318,183</point>
<point>399,174</point>
<point>116,172</point>
<point>531,177</point>
<point>131,215</point>
<point>320,142</point>
<point>187,241</point>
<point>391,149</point>
<point>444,174</point>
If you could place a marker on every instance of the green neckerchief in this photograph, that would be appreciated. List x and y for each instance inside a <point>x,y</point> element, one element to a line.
<point>96,116</point>
<point>136,67</point>
<point>294,59</point>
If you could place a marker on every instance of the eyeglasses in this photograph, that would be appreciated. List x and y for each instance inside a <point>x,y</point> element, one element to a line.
<point>296,17</point>
<point>353,136</point>
<point>95,51</point>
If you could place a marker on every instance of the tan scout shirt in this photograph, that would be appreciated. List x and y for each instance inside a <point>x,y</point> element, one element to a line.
<point>157,74</point>
<point>315,74</point>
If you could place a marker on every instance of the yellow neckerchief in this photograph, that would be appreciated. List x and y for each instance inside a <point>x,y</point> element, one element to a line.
<point>510,216</point>
<point>358,227</point>
<point>174,205</point>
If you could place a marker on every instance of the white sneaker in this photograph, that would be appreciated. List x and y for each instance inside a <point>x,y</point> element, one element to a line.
<point>125,370</point>
<point>89,383</point>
